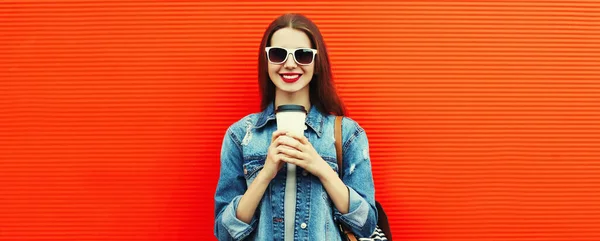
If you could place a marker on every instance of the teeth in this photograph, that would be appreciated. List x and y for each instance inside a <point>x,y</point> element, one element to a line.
<point>291,76</point>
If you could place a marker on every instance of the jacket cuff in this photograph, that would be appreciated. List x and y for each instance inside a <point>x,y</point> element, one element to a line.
<point>238,229</point>
<point>358,211</point>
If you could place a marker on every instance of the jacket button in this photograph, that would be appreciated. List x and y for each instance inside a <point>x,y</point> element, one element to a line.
<point>245,171</point>
<point>304,173</point>
<point>303,225</point>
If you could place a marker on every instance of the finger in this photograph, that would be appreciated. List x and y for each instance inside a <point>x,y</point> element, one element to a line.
<point>290,152</point>
<point>274,141</point>
<point>286,147</point>
<point>277,141</point>
<point>301,138</point>
<point>277,133</point>
<point>291,160</point>
<point>291,142</point>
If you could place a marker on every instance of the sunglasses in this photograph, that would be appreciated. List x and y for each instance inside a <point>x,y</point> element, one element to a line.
<point>302,56</point>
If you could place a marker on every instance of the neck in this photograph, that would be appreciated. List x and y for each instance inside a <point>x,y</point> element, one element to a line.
<point>300,97</point>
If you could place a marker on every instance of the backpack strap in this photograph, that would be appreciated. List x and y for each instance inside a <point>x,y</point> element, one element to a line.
<point>340,161</point>
<point>338,143</point>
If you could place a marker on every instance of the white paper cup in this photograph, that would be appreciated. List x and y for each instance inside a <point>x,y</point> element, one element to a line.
<point>291,118</point>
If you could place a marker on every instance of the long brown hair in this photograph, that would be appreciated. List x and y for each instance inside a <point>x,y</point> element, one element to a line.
<point>323,94</point>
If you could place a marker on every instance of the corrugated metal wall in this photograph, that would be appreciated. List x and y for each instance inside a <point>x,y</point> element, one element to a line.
<point>482,116</point>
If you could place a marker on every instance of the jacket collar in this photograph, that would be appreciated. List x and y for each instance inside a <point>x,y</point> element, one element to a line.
<point>314,119</point>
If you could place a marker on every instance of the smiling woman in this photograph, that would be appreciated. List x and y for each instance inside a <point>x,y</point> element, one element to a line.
<point>294,69</point>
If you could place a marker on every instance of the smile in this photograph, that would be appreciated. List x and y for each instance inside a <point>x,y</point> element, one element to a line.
<point>290,78</point>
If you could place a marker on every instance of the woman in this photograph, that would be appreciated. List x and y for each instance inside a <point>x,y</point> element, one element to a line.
<point>249,200</point>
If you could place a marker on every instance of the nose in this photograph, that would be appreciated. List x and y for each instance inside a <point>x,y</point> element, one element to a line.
<point>290,63</point>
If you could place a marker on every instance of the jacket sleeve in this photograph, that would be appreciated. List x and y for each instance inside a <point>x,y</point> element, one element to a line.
<point>357,175</point>
<point>230,188</point>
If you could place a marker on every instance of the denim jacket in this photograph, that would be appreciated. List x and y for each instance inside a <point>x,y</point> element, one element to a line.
<point>243,155</point>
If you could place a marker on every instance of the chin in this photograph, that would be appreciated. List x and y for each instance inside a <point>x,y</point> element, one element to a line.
<point>291,88</point>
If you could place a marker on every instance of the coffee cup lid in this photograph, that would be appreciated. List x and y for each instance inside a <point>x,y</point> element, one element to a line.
<point>294,108</point>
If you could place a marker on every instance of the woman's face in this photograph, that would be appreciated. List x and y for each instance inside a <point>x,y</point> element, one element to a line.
<point>289,76</point>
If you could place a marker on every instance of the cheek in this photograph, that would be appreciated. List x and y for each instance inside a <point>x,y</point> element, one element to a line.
<point>309,71</point>
<point>273,70</point>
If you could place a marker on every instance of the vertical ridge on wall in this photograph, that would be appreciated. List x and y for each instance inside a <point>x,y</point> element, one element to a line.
<point>482,116</point>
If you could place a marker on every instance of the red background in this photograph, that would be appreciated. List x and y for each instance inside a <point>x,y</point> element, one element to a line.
<point>482,116</point>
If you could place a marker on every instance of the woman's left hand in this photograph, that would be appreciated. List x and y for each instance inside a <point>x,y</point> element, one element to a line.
<point>297,150</point>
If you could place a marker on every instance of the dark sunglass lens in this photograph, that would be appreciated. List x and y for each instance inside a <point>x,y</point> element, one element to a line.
<point>277,55</point>
<point>304,56</point>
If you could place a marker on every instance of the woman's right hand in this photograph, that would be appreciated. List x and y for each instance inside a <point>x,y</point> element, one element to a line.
<point>273,163</point>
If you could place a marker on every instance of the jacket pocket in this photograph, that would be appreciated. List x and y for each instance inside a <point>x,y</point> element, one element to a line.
<point>252,166</point>
<point>332,162</point>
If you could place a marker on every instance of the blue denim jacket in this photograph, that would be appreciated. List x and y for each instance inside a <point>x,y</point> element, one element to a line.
<point>243,155</point>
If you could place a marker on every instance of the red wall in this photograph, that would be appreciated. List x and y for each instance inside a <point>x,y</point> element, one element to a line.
<point>483,117</point>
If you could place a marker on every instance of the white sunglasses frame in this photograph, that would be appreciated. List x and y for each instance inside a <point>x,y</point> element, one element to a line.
<point>290,51</point>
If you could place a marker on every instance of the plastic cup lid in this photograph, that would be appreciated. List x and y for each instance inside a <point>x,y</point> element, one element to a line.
<point>290,108</point>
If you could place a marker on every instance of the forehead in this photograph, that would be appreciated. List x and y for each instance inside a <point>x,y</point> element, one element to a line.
<point>290,38</point>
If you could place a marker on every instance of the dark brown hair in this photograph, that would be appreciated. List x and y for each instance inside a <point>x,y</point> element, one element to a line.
<point>323,94</point>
